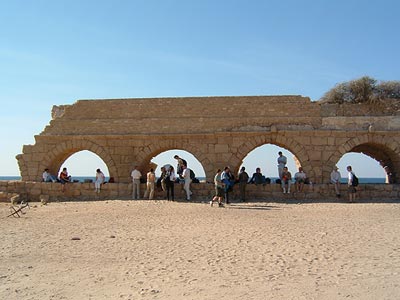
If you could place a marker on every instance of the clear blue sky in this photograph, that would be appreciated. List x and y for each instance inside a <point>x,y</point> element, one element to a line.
<point>56,52</point>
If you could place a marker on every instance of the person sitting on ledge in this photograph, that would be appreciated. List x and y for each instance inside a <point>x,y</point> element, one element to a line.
<point>64,178</point>
<point>100,178</point>
<point>286,180</point>
<point>300,178</point>
<point>258,178</point>
<point>47,177</point>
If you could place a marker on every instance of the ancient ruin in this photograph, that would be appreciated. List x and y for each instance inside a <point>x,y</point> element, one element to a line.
<point>216,130</point>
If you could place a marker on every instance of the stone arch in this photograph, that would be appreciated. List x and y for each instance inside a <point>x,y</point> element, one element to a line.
<point>64,150</point>
<point>382,149</point>
<point>282,141</point>
<point>146,153</point>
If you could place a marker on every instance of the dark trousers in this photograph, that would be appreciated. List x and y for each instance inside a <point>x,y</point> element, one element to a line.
<point>228,188</point>
<point>226,194</point>
<point>170,187</point>
<point>242,187</point>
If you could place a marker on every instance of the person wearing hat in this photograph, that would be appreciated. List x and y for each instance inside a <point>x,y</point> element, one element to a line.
<point>335,180</point>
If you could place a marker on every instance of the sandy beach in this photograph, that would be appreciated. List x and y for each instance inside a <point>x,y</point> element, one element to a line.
<point>174,250</point>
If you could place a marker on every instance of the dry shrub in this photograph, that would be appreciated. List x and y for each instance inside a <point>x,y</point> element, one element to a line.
<point>363,90</point>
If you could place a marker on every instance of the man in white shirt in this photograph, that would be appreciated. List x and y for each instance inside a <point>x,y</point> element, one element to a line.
<point>282,161</point>
<point>186,186</point>
<point>47,177</point>
<point>335,180</point>
<point>351,188</point>
<point>300,179</point>
<point>136,175</point>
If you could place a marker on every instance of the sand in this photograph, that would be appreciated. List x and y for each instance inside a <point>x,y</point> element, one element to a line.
<point>168,250</point>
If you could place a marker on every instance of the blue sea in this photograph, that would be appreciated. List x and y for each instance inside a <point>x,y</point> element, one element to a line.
<point>82,178</point>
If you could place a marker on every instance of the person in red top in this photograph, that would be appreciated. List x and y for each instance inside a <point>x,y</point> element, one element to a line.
<point>64,178</point>
<point>286,180</point>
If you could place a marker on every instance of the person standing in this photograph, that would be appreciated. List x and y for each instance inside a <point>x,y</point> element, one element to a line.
<point>188,180</point>
<point>243,179</point>
<point>219,190</point>
<point>282,161</point>
<point>99,180</point>
<point>335,180</point>
<point>351,185</point>
<point>228,180</point>
<point>136,175</point>
<point>161,181</point>
<point>150,184</point>
<point>170,182</point>
<point>286,180</point>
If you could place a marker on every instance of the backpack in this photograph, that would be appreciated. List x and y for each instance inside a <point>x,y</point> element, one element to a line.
<point>192,175</point>
<point>354,182</point>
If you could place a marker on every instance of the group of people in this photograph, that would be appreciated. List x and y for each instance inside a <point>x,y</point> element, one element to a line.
<point>285,177</point>
<point>64,178</point>
<point>352,182</point>
<point>301,178</point>
<point>167,179</point>
<point>223,180</point>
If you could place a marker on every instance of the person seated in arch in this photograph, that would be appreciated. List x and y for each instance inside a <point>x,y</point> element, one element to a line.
<point>64,178</point>
<point>47,177</point>
<point>258,177</point>
<point>286,180</point>
<point>300,178</point>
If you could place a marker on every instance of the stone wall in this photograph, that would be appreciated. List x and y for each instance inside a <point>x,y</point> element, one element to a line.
<point>217,131</point>
<point>192,115</point>
<point>31,191</point>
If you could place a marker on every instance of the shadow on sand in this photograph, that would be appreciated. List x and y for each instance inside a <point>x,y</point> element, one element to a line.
<point>254,206</point>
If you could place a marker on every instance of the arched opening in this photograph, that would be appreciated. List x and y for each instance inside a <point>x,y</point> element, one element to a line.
<point>386,158</point>
<point>371,162</point>
<point>265,157</point>
<point>83,165</point>
<point>167,157</point>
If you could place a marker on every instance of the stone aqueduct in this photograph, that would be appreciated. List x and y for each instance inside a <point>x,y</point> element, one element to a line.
<point>218,131</point>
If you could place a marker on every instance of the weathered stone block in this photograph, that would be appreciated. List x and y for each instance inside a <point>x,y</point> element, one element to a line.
<point>44,199</point>
<point>35,191</point>
<point>221,148</point>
